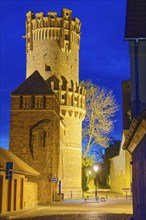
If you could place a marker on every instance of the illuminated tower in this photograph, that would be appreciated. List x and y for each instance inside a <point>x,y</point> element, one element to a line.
<point>52,48</point>
<point>52,45</point>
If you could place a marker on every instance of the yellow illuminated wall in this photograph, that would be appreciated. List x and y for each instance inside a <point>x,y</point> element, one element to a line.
<point>120,171</point>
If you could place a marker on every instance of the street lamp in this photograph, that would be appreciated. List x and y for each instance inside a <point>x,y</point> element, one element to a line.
<point>95,180</point>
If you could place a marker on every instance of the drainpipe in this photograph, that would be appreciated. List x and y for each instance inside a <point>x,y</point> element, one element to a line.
<point>136,76</point>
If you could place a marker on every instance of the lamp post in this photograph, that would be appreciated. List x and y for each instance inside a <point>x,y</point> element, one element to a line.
<point>95,180</point>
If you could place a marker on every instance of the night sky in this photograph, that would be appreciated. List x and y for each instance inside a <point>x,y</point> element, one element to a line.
<point>104,55</point>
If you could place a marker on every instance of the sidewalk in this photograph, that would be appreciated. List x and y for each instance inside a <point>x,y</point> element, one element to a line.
<point>76,210</point>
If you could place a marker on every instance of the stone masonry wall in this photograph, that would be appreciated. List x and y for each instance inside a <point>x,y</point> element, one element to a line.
<point>27,144</point>
<point>47,53</point>
<point>52,44</point>
<point>30,195</point>
<point>72,154</point>
<point>52,48</point>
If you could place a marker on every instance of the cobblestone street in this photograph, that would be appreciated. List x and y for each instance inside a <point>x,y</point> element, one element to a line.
<point>77,210</point>
<point>93,216</point>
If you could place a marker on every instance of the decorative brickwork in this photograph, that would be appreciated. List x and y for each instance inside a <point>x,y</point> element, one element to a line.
<point>47,109</point>
<point>53,42</point>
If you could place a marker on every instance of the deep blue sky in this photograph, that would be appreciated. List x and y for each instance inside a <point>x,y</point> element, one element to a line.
<point>104,55</point>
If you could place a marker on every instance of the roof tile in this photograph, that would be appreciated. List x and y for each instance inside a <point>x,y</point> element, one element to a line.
<point>34,84</point>
<point>19,165</point>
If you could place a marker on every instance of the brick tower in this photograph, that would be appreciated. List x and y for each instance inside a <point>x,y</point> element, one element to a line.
<point>52,49</point>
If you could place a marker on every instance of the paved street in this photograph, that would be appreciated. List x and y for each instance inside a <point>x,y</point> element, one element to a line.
<point>78,210</point>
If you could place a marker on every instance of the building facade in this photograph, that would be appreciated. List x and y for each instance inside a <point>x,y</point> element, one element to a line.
<point>135,34</point>
<point>47,109</point>
<point>135,141</point>
<point>120,167</point>
<point>19,188</point>
<point>121,171</point>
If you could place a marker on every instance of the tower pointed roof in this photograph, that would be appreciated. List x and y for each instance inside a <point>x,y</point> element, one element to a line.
<point>34,84</point>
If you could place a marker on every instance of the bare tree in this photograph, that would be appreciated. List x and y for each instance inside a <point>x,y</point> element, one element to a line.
<point>101,107</point>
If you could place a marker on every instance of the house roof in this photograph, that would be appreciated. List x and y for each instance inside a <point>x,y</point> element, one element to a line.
<point>134,127</point>
<point>35,85</point>
<point>135,19</point>
<point>113,150</point>
<point>19,165</point>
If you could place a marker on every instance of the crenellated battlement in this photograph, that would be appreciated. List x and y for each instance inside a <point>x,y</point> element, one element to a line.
<point>73,95</point>
<point>64,28</point>
<point>39,20</point>
<point>71,98</point>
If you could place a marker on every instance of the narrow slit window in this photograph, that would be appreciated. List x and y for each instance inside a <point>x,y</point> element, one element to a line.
<point>47,68</point>
<point>66,37</point>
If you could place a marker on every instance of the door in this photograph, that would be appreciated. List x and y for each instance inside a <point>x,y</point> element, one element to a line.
<point>1,191</point>
<point>9,195</point>
<point>21,192</point>
<point>15,194</point>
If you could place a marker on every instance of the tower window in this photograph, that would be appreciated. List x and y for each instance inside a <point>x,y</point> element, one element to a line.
<point>47,68</point>
<point>32,101</point>
<point>44,101</point>
<point>67,14</point>
<point>66,37</point>
<point>21,102</point>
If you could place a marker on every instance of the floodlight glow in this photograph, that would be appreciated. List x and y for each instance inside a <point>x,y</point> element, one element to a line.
<point>95,168</point>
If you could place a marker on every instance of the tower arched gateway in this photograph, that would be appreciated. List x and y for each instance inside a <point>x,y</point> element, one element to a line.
<point>56,113</point>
